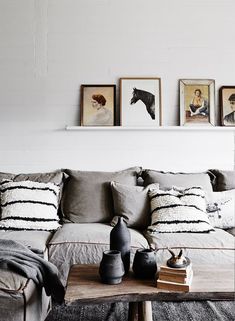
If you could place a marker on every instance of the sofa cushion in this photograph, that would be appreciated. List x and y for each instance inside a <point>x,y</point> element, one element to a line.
<point>87,196</point>
<point>221,209</point>
<point>21,299</point>
<point>224,180</point>
<point>83,244</point>
<point>178,211</point>
<point>168,179</point>
<point>132,203</point>
<point>35,240</point>
<point>12,281</point>
<point>29,205</point>
<point>201,248</point>
<point>55,177</point>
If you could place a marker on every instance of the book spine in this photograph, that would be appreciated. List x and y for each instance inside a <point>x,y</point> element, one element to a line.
<point>172,278</point>
<point>177,271</point>
<point>172,286</point>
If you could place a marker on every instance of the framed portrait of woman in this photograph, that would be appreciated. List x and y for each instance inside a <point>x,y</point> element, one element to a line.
<point>227,105</point>
<point>97,107</point>
<point>197,102</point>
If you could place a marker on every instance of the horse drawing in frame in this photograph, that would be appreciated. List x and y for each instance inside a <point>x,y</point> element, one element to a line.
<point>147,98</point>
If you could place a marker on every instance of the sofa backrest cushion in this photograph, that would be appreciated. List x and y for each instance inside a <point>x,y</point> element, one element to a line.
<point>132,203</point>
<point>87,196</point>
<point>28,205</point>
<point>168,179</point>
<point>179,211</point>
<point>55,177</point>
<point>224,180</point>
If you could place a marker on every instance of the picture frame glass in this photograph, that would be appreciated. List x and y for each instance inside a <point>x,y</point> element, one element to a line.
<point>196,102</point>
<point>98,105</point>
<point>227,105</point>
<point>140,102</point>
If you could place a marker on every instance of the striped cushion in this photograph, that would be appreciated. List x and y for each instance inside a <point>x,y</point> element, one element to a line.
<point>28,205</point>
<point>179,211</point>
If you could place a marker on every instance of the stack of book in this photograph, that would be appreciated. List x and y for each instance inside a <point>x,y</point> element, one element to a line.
<point>175,279</point>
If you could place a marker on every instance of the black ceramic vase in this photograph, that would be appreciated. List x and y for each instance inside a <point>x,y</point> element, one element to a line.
<point>144,264</point>
<point>120,240</point>
<point>111,268</point>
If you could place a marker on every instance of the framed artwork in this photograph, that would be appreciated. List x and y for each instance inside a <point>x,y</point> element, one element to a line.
<point>97,106</point>
<point>140,102</point>
<point>227,105</point>
<point>197,102</point>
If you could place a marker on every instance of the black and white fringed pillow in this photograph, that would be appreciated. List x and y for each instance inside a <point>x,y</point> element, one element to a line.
<point>179,211</point>
<point>28,205</point>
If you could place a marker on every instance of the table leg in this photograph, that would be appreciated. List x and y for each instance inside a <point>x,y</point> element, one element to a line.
<point>133,311</point>
<point>145,311</point>
<point>140,311</point>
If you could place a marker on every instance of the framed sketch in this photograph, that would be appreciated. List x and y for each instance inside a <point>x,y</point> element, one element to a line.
<point>97,106</point>
<point>140,102</point>
<point>197,102</point>
<point>227,105</point>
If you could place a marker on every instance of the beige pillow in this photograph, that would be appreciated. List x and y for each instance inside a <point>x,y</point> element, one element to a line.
<point>167,180</point>
<point>87,196</point>
<point>132,203</point>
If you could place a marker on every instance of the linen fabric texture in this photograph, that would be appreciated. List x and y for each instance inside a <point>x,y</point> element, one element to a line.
<point>168,179</point>
<point>201,248</point>
<point>221,209</point>
<point>132,203</point>
<point>179,211</point>
<point>84,244</point>
<point>224,180</point>
<point>55,177</point>
<point>87,196</point>
<point>29,205</point>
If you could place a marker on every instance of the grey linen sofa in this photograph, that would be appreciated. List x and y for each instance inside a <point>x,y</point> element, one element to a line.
<point>89,202</point>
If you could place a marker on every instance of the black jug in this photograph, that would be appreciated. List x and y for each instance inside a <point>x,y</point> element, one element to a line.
<point>111,268</point>
<point>144,264</point>
<point>120,240</point>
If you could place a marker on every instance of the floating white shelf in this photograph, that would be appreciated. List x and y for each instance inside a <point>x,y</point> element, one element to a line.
<point>160,128</point>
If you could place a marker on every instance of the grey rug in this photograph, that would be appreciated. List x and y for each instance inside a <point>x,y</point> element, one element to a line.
<point>162,311</point>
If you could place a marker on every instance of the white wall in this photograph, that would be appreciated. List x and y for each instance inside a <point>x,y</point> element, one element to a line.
<point>48,48</point>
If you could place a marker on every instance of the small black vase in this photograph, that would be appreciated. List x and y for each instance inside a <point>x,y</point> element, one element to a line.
<point>144,264</point>
<point>120,240</point>
<point>111,268</point>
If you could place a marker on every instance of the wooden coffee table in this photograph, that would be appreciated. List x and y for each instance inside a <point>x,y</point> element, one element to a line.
<point>84,287</point>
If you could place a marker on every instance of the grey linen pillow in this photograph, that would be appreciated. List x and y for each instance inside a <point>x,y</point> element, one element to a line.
<point>168,179</point>
<point>224,180</point>
<point>55,177</point>
<point>87,196</point>
<point>132,203</point>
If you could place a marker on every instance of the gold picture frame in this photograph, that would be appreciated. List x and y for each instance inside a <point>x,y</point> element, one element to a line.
<point>197,102</point>
<point>98,105</point>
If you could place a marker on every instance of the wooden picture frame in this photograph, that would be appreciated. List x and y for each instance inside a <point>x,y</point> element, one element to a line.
<point>98,105</point>
<point>197,102</point>
<point>227,105</point>
<point>140,102</point>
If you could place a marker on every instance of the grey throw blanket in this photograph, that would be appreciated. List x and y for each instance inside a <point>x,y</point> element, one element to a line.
<point>16,257</point>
